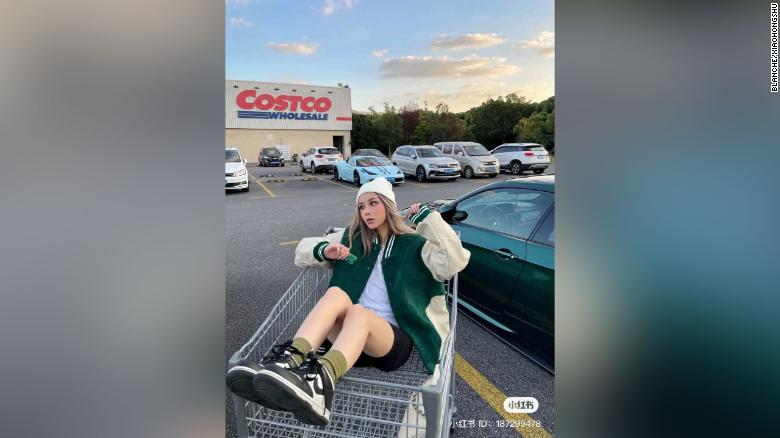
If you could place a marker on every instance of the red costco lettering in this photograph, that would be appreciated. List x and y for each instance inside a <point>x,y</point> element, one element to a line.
<point>307,104</point>
<point>243,99</point>
<point>248,100</point>
<point>322,104</point>
<point>281,103</point>
<point>264,102</point>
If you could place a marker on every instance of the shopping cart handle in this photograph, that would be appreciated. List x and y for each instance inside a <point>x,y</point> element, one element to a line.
<point>332,230</point>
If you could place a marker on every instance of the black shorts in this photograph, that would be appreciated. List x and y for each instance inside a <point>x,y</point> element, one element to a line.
<point>397,356</point>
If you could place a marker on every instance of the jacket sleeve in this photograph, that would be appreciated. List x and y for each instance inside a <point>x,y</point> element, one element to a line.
<point>311,250</point>
<point>442,252</point>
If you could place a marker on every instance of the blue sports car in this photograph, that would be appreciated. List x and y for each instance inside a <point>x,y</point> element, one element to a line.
<point>362,169</point>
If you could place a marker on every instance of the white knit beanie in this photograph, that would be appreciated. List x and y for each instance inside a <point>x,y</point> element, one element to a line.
<point>379,185</point>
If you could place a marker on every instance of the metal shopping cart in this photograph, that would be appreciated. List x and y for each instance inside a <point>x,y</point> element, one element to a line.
<point>367,402</point>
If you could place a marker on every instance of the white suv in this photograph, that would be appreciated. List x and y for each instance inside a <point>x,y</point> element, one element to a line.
<point>320,158</point>
<point>517,157</point>
<point>235,171</point>
<point>425,162</point>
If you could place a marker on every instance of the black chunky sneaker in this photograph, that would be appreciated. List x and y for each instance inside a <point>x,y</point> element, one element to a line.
<point>239,376</point>
<point>306,391</point>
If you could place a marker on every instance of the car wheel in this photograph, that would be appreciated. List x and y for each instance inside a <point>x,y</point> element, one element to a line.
<point>356,179</point>
<point>468,172</point>
<point>313,169</point>
<point>538,171</point>
<point>303,168</point>
<point>515,167</point>
<point>336,174</point>
<point>420,174</point>
<point>493,175</point>
<point>245,190</point>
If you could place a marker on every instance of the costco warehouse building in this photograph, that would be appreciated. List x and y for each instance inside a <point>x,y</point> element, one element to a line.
<point>292,117</point>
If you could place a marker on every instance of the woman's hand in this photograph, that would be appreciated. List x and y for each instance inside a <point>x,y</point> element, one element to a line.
<point>413,209</point>
<point>336,251</point>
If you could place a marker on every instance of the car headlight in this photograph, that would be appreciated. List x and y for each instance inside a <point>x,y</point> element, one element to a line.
<point>241,172</point>
<point>368,172</point>
<point>434,166</point>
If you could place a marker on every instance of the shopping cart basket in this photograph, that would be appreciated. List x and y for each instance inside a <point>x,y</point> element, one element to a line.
<point>367,402</point>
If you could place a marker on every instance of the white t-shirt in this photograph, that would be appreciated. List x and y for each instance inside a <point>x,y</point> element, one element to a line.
<point>374,296</point>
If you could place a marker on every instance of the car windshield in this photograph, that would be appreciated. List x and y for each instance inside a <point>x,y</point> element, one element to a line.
<point>535,148</point>
<point>272,152</point>
<point>329,151</point>
<point>372,161</point>
<point>232,156</point>
<point>476,150</point>
<point>429,152</point>
<point>371,152</point>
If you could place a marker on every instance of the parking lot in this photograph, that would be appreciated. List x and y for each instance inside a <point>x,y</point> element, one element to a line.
<point>262,228</point>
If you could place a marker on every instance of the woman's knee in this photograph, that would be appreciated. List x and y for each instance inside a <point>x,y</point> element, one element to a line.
<point>357,312</point>
<point>338,295</point>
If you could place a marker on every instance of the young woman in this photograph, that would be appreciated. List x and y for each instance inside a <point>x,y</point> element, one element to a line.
<point>385,296</point>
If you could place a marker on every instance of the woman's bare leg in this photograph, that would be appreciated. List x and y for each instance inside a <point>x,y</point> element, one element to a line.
<point>363,330</point>
<point>333,306</point>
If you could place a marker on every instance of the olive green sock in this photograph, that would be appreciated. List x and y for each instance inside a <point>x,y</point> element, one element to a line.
<point>335,362</point>
<point>304,347</point>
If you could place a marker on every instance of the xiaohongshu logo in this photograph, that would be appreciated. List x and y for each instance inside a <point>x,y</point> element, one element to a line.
<point>521,405</point>
<point>283,106</point>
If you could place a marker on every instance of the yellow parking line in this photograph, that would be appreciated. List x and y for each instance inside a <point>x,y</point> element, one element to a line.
<point>292,242</point>
<point>262,186</point>
<point>340,185</point>
<point>495,398</point>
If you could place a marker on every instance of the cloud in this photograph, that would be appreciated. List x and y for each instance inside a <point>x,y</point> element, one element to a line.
<point>240,22</point>
<point>474,94</point>
<point>331,6</point>
<point>428,67</point>
<point>379,53</point>
<point>468,41</point>
<point>299,48</point>
<point>543,44</point>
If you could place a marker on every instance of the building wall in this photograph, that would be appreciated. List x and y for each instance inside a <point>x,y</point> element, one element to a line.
<point>250,141</point>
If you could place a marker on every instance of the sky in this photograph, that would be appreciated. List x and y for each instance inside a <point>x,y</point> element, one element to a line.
<point>396,51</point>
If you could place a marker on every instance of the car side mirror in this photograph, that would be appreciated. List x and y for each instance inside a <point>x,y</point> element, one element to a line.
<point>459,216</point>
<point>414,157</point>
<point>451,214</point>
<point>244,160</point>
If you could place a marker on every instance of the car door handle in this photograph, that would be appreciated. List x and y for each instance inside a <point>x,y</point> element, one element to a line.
<point>505,254</point>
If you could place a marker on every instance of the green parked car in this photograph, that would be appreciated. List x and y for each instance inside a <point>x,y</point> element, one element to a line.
<point>509,283</point>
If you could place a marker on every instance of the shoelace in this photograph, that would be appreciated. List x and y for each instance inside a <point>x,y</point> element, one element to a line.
<point>277,351</point>
<point>310,368</point>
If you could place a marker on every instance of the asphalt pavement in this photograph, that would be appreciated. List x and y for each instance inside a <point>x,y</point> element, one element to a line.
<point>262,227</point>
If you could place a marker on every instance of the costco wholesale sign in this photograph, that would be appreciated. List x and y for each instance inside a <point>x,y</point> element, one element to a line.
<point>264,105</point>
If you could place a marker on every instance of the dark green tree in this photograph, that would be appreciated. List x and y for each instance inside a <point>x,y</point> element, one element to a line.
<point>492,122</point>
<point>410,118</point>
<point>538,128</point>
<point>363,133</point>
<point>389,129</point>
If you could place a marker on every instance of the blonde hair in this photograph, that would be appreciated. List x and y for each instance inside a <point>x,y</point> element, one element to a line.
<point>394,221</point>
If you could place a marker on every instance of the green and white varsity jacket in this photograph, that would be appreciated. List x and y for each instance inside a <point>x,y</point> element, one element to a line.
<point>414,266</point>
